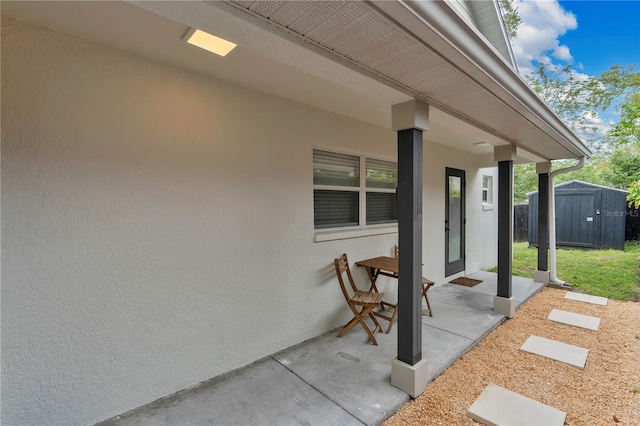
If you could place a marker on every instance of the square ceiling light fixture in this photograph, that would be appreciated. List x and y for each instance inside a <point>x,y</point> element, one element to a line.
<point>209,42</point>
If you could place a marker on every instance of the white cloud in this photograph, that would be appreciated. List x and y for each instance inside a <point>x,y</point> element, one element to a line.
<point>593,127</point>
<point>562,53</point>
<point>543,22</point>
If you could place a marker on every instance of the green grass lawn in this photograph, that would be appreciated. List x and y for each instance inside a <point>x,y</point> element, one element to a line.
<point>609,273</point>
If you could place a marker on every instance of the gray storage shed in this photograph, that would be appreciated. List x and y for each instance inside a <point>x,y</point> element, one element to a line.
<point>587,215</point>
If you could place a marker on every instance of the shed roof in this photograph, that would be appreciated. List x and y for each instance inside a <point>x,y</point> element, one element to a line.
<point>560,185</point>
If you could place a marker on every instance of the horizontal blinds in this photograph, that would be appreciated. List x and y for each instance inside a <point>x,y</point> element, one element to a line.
<point>382,207</point>
<point>335,208</point>
<point>330,168</point>
<point>381,174</point>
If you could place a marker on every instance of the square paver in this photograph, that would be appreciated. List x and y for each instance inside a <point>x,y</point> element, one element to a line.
<point>587,298</point>
<point>499,406</point>
<point>576,320</point>
<point>569,354</point>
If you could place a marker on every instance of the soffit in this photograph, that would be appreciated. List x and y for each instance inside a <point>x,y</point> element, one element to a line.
<point>360,34</point>
<point>263,60</point>
<point>489,22</point>
<point>269,59</point>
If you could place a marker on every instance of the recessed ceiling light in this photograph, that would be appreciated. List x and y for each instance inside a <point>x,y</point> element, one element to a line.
<point>209,42</point>
<point>482,144</point>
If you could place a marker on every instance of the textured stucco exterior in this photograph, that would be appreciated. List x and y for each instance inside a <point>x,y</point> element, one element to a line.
<point>157,226</point>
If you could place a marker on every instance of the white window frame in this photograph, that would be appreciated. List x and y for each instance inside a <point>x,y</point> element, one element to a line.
<point>488,204</point>
<point>362,229</point>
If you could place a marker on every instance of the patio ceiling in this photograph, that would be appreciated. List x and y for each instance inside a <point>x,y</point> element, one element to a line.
<point>347,57</point>
<point>424,49</point>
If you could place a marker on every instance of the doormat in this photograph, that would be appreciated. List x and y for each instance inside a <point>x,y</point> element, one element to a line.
<point>467,282</point>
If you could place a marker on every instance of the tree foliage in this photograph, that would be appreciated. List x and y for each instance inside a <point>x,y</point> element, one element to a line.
<point>634,194</point>
<point>510,17</point>
<point>627,130</point>
<point>575,98</point>
<point>596,171</point>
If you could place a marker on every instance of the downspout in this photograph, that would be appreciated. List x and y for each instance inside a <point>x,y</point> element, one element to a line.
<point>552,219</point>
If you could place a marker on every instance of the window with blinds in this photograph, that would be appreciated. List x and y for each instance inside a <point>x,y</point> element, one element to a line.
<point>350,190</point>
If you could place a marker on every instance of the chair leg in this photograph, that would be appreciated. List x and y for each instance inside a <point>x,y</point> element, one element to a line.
<point>426,298</point>
<point>377,327</point>
<point>393,318</point>
<point>359,318</point>
<point>348,326</point>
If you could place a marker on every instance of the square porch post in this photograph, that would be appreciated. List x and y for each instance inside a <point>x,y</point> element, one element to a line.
<point>504,302</point>
<point>409,370</point>
<point>542,274</point>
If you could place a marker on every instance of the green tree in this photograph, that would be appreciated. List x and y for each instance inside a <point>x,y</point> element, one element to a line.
<point>575,98</point>
<point>625,158</point>
<point>624,166</point>
<point>572,97</point>
<point>510,17</point>
<point>634,194</point>
<point>596,171</point>
<point>525,180</point>
<point>627,130</point>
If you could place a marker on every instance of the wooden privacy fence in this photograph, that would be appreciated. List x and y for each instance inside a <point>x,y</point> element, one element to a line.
<point>521,223</point>
<point>632,224</point>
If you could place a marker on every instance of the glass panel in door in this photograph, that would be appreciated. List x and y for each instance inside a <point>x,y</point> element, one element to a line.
<point>454,221</point>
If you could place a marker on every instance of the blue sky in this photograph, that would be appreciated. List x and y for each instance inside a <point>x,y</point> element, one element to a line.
<point>590,35</point>
<point>608,33</point>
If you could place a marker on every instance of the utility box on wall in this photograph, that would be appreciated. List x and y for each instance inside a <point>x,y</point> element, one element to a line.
<point>587,216</point>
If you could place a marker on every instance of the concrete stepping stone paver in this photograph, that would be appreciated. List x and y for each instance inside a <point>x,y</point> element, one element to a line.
<point>569,354</point>
<point>596,300</point>
<point>499,406</point>
<point>576,320</point>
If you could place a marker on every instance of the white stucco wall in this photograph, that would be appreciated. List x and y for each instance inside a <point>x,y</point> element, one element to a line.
<point>157,226</point>
<point>481,229</point>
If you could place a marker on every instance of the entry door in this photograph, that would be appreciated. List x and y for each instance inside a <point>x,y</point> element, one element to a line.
<point>454,224</point>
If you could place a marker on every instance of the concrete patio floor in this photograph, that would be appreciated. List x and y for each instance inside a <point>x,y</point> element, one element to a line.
<point>328,380</point>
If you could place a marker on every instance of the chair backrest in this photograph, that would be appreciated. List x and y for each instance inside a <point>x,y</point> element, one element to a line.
<point>342,269</point>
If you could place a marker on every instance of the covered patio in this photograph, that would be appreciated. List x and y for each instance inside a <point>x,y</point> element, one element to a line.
<point>329,380</point>
<point>160,226</point>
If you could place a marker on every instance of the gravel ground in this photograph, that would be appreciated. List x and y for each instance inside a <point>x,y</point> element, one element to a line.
<point>607,391</point>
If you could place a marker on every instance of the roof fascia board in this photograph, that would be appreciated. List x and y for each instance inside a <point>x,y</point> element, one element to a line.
<point>440,27</point>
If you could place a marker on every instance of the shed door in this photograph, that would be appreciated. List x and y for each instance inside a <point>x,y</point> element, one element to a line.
<point>576,219</point>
